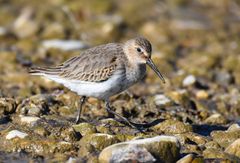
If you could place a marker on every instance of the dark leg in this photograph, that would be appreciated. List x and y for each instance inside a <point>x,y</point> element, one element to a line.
<point>125,120</point>
<point>82,101</point>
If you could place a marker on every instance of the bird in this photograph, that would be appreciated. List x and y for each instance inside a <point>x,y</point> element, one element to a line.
<point>103,71</point>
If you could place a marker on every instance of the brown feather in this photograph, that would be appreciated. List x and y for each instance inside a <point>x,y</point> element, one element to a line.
<point>94,65</point>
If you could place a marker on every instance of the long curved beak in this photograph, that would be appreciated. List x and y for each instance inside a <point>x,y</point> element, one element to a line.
<point>155,69</point>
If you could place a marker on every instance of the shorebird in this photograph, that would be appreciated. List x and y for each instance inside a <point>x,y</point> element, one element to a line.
<point>103,71</point>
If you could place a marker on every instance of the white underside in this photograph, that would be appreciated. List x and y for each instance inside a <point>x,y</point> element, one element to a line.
<point>102,90</point>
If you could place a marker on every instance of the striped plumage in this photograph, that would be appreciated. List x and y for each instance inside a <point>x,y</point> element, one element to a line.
<point>93,65</point>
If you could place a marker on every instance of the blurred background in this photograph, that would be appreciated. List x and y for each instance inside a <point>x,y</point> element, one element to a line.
<point>195,45</point>
<point>198,38</point>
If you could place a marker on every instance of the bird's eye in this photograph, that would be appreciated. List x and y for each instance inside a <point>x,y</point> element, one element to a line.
<point>139,50</point>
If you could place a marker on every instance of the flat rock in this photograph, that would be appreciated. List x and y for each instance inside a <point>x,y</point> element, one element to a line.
<point>85,128</point>
<point>162,100</point>
<point>172,127</point>
<point>98,140</point>
<point>162,148</point>
<point>186,159</point>
<point>234,127</point>
<point>65,45</point>
<point>15,133</point>
<point>7,105</point>
<point>225,138</point>
<point>216,119</point>
<point>234,148</point>
<point>30,120</point>
<point>132,153</point>
<point>212,153</point>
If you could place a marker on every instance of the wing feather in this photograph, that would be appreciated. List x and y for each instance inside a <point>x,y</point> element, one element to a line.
<point>94,65</point>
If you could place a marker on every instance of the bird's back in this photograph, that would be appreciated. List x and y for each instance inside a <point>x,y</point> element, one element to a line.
<point>93,65</point>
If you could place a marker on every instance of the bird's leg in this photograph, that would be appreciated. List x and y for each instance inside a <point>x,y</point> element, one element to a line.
<point>125,120</point>
<point>82,101</point>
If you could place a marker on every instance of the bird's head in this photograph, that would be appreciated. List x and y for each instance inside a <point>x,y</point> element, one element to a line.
<point>139,50</point>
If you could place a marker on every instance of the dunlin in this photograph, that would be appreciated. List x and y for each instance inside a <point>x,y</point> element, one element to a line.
<point>103,71</point>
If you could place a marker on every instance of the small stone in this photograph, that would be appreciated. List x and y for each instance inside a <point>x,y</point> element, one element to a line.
<point>98,141</point>
<point>34,110</point>
<point>219,154</point>
<point>186,159</point>
<point>162,100</point>
<point>24,25</point>
<point>72,160</point>
<point>65,45</point>
<point>85,128</point>
<point>65,110</point>
<point>30,120</point>
<point>172,127</point>
<point>201,95</point>
<point>223,78</point>
<point>179,96</point>
<point>64,146</point>
<point>70,135</point>
<point>193,137</point>
<point>216,119</point>
<point>212,144</point>
<point>165,148</point>
<point>234,127</point>
<point>234,148</point>
<point>7,105</point>
<point>132,153</point>
<point>41,131</point>
<point>189,80</point>
<point>225,138</point>
<point>15,133</point>
<point>3,31</point>
<point>53,30</point>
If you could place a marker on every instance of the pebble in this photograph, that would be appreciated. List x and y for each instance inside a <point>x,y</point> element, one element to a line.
<point>216,119</point>
<point>225,138</point>
<point>15,133</point>
<point>71,160</point>
<point>201,95</point>
<point>132,153</point>
<point>234,127</point>
<point>34,110</point>
<point>160,147</point>
<point>98,140</point>
<point>189,80</point>
<point>3,31</point>
<point>223,78</point>
<point>162,100</point>
<point>65,45</point>
<point>7,105</point>
<point>30,120</point>
<point>234,148</point>
<point>212,153</point>
<point>24,25</point>
<point>186,159</point>
<point>172,127</point>
<point>85,128</point>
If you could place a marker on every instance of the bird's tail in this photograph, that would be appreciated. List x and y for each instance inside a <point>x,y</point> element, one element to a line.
<point>44,71</point>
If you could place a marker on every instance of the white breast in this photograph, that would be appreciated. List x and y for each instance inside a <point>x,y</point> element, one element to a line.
<point>117,83</point>
<point>101,90</point>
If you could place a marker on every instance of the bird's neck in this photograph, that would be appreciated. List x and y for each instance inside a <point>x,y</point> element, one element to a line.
<point>134,71</point>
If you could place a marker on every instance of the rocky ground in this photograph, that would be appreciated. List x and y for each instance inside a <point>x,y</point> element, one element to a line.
<point>195,114</point>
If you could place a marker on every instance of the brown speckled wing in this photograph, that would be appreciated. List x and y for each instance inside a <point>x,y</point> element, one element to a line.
<point>94,65</point>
